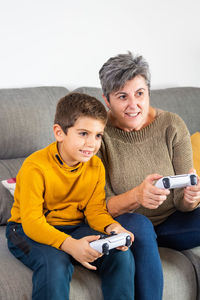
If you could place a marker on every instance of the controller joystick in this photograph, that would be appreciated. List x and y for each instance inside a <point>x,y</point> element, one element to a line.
<point>128,241</point>
<point>105,249</point>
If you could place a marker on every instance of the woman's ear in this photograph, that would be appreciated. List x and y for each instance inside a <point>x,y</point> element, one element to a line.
<point>106,101</point>
<point>58,132</point>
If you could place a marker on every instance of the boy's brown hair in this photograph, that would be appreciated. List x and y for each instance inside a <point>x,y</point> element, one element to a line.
<point>76,105</point>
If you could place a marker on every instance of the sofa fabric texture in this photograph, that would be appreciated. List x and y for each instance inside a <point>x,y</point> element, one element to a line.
<point>26,119</point>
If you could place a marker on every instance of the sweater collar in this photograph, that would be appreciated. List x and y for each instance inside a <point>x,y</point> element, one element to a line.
<point>59,161</point>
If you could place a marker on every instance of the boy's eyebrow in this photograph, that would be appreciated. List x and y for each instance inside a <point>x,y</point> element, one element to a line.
<point>80,129</point>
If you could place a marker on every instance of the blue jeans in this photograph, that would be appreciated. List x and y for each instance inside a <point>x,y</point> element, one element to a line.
<point>148,268</point>
<point>181,231</point>
<point>53,268</point>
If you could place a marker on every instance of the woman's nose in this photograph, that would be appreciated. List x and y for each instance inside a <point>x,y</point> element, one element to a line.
<point>132,101</point>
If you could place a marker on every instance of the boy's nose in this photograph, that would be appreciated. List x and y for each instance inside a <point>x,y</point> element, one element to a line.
<point>90,141</point>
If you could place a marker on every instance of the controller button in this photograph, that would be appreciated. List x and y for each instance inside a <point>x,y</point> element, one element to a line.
<point>166,183</point>
<point>193,179</point>
<point>105,248</point>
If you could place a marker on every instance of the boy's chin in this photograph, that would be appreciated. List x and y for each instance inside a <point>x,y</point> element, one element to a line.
<point>86,158</point>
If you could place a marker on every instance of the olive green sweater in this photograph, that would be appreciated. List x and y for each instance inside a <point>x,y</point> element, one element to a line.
<point>162,147</point>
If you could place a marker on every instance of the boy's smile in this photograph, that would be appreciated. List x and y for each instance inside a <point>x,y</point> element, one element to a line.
<point>81,141</point>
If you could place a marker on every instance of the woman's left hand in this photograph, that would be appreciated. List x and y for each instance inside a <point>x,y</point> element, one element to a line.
<point>192,193</point>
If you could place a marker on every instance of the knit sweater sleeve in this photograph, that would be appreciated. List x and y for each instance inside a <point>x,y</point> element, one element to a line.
<point>179,144</point>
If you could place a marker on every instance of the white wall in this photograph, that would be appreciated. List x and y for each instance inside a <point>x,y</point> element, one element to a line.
<point>65,42</point>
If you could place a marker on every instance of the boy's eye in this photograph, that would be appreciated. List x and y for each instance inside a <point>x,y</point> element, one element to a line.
<point>99,136</point>
<point>122,97</point>
<point>83,133</point>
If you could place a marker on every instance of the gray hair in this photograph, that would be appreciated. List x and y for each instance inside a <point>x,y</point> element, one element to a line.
<point>119,69</point>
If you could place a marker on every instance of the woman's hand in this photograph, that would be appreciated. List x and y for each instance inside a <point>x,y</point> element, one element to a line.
<point>148,195</point>
<point>81,251</point>
<point>192,193</point>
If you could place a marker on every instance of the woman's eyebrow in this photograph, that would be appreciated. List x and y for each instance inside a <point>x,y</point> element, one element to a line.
<point>118,93</point>
<point>124,93</point>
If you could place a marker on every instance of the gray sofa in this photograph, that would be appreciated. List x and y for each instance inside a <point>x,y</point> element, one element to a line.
<point>26,118</point>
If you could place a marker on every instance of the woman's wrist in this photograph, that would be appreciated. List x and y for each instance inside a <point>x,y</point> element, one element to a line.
<point>123,203</point>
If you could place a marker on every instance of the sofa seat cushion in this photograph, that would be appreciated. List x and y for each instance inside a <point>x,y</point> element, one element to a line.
<point>179,275</point>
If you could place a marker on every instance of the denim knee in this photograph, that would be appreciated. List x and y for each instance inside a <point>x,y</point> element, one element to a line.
<point>56,266</point>
<point>138,224</point>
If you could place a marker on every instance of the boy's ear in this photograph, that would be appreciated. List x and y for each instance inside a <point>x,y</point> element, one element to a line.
<point>58,132</point>
<point>106,101</point>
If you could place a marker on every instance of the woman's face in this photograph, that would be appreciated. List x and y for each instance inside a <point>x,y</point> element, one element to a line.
<point>129,107</point>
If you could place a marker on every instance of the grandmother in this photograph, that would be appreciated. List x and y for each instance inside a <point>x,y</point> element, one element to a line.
<point>140,145</point>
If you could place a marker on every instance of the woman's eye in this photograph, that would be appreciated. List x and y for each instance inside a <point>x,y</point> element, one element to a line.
<point>139,94</point>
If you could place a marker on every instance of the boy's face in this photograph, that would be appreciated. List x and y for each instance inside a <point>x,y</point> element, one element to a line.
<point>81,142</point>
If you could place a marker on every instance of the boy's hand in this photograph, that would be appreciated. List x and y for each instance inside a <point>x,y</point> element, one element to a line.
<point>117,228</point>
<point>81,250</point>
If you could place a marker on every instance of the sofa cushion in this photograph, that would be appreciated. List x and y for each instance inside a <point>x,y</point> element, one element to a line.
<point>15,279</point>
<point>179,275</point>
<point>26,119</point>
<point>185,101</point>
<point>195,139</point>
<point>10,185</point>
<point>8,169</point>
<point>194,256</point>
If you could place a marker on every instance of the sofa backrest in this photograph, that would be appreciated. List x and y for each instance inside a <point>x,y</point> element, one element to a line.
<point>185,101</point>
<point>26,120</point>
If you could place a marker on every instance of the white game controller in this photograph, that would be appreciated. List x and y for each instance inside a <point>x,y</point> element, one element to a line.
<point>108,242</point>
<point>177,181</point>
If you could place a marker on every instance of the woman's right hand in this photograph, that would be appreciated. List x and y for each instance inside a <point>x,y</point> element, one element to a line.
<point>148,195</point>
<point>81,251</point>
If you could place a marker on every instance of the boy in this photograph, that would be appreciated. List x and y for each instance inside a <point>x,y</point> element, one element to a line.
<point>57,187</point>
